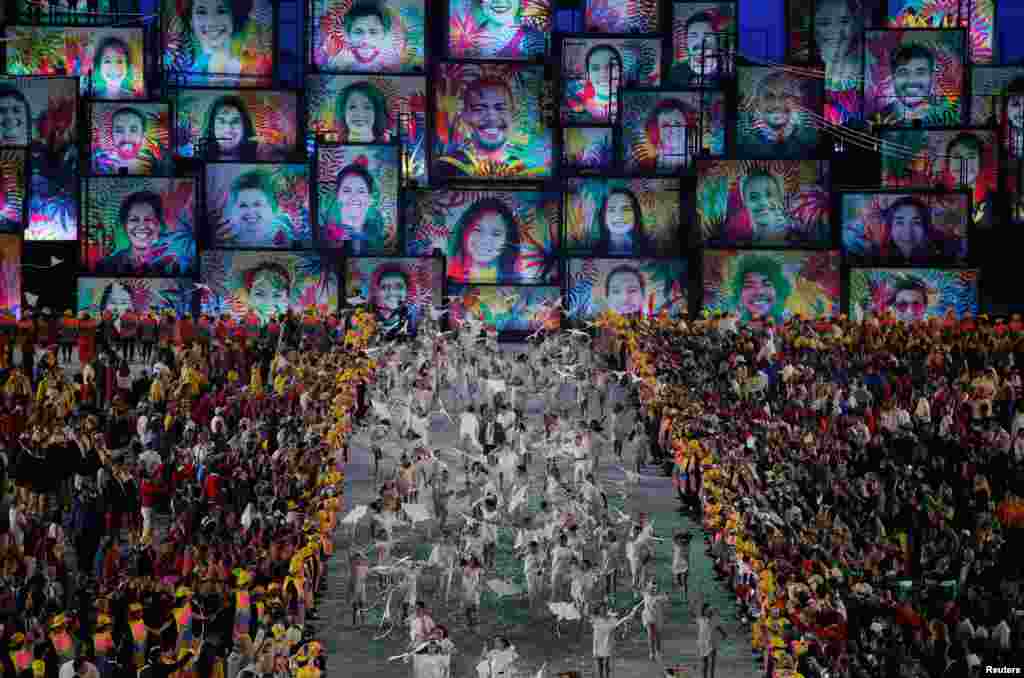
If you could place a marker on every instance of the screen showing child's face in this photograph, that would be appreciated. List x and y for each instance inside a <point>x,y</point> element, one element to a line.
<point>253,212</point>
<point>619,216</point>
<point>113,66</point>
<point>127,131</point>
<point>625,294</point>
<point>486,239</point>
<point>228,128</point>
<point>359,115</point>
<point>269,294</point>
<point>367,36</point>
<point>211,24</point>
<point>353,200</point>
<point>14,127</point>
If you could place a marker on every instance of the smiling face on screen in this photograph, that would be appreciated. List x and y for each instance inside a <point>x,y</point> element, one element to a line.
<point>489,114</point>
<point>359,117</point>
<point>367,36</point>
<point>113,67</point>
<point>486,239</point>
<point>127,131</point>
<point>758,295</point>
<point>212,24</point>
<point>228,129</point>
<point>253,214</point>
<point>625,293</point>
<point>142,225</point>
<point>354,201</point>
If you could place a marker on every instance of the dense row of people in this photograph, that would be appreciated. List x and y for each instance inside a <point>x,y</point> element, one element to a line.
<point>174,521</point>
<point>859,483</point>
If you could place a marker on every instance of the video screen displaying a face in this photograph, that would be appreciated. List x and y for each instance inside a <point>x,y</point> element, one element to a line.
<point>622,217</point>
<point>956,159</point>
<point>41,114</point>
<point>368,36</point>
<point>131,139</point>
<point>620,16</point>
<point>912,295</point>
<point>357,198</point>
<point>97,296</point>
<point>489,122</point>
<point>763,202</point>
<point>506,308</point>
<point>588,149</point>
<point>628,287</point>
<point>372,109</point>
<point>831,32</point>
<point>772,285</point>
<point>701,36</point>
<point>989,88</point>
<point>488,236</point>
<point>596,70</point>
<point>266,283</point>
<point>779,114</point>
<point>236,125</point>
<point>258,206</point>
<point>139,226</point>
<point>12,189</point>
<point>663,133</point>
<point>498,29</point>
<point>399,290</point>
<point>977,16</point>
<point>914,77</point>
<point>905,227</point>
<point>218,42</point>
<point>108,60</point>
<point>1013,123</point>
<point>10,274</point>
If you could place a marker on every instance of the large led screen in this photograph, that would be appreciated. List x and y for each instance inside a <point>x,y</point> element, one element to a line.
<point>218,42</point>
<point>374,109</point>
<point>489,122</point>
<point>989,87</point>
<point>831,33</point>
<point>664,131</point>
<point>763,202</point>
<point>772,285</point>
<point>905,227</point>
<point>41,114</point>
<point>701,36</point>
<point>236,125</point>
<point>139,295</point>
<point>400,291</point>
<point>131,138</point>
<point>258,205</point>
<point>10,273</point>
<point>596,70</point>
<point>357,198</point>
<point>631,287</point>
<point>914,75</point>
<point>779,115</point>
<point>108,60</point>
<point>139,225</point>
<point>12,188</point>
<point>498,29</point>
<point>978,17</point>
<point>912,294</point>
<point>588,149</point>
<point>488,236</point>
<point>368,36</point>
<point>266,283</point>
<point>620,16</point>
<point>622,217</point>
<point>506,308</point>
<point>949,158</point>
